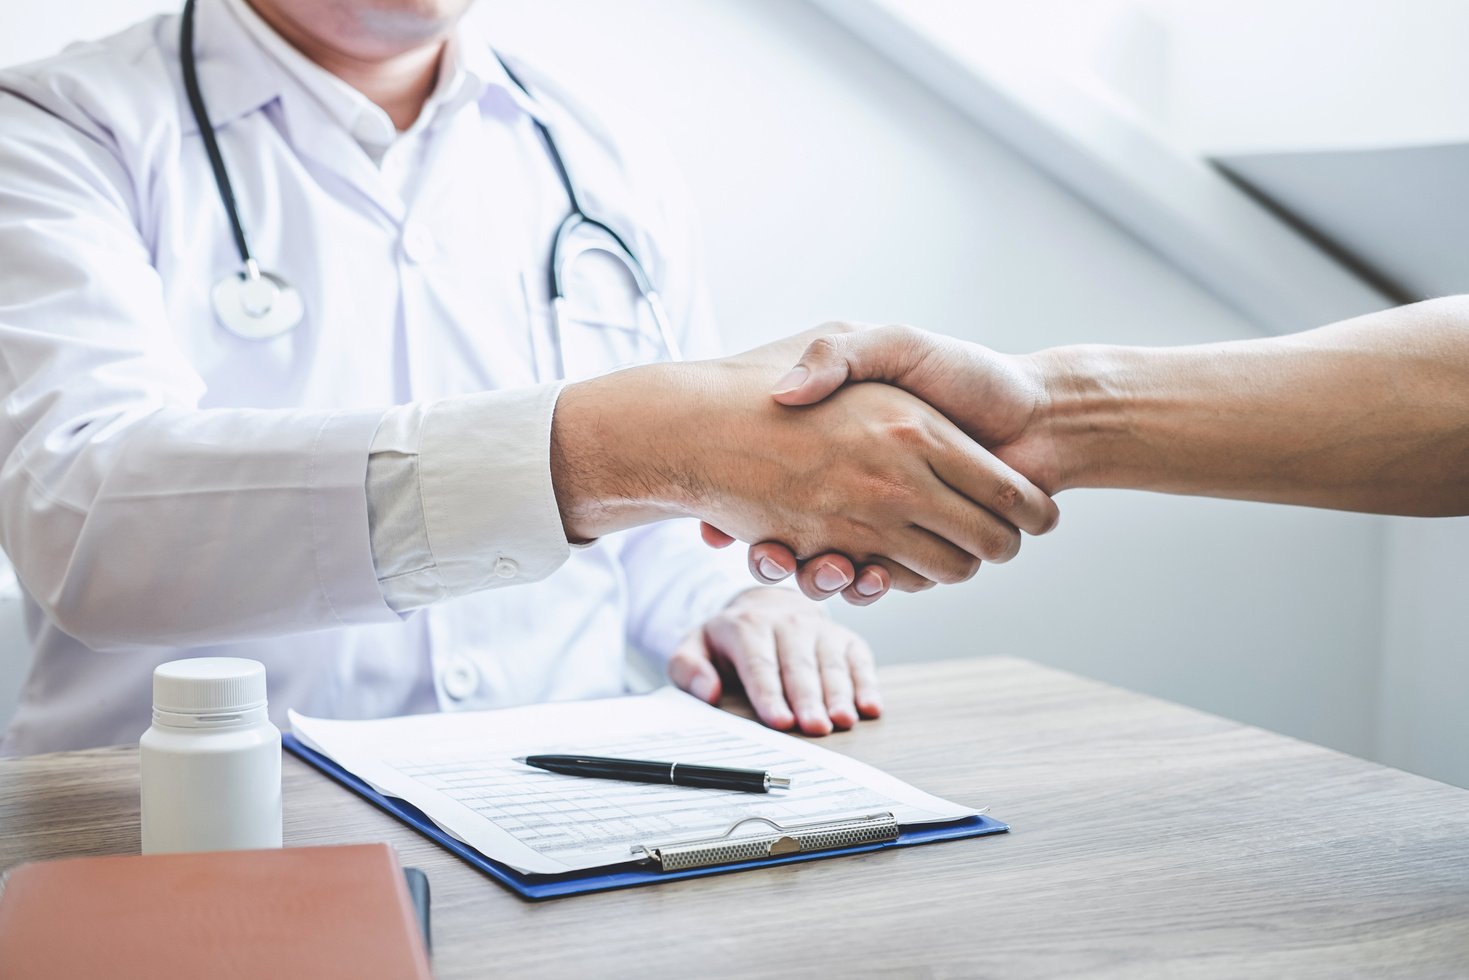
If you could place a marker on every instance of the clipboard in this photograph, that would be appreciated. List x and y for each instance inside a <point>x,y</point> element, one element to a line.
<point>872,835</point>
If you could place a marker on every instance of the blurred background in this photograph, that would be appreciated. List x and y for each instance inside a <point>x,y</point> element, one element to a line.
<point>1063,171</point>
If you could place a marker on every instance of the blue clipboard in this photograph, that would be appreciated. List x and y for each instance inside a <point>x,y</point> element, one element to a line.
<point>536,887</point>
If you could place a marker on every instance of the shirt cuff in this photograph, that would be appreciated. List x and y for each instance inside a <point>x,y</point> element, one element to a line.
<point>460,496</point>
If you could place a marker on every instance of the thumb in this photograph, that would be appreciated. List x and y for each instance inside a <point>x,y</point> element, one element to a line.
<point>881,354</point>
<point>691,670</point>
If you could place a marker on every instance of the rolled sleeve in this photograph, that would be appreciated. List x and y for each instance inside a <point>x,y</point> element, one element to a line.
<point>460,498</point>
<point>339,513</point>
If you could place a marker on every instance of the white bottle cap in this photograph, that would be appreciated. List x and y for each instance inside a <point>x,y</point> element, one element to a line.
<point>205,685</point>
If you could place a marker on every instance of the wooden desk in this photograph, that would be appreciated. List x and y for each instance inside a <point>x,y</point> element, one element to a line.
<point>1148,839</point>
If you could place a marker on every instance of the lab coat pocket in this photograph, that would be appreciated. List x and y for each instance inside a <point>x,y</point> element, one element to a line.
<point>603,323</point>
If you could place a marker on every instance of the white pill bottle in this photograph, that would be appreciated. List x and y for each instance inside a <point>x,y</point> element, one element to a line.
<point>211,762</point>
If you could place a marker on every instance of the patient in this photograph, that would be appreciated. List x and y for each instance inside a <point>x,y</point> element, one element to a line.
<point>1370,414</point>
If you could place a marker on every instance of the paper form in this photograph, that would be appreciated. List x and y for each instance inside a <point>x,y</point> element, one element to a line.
<point>457,768</point>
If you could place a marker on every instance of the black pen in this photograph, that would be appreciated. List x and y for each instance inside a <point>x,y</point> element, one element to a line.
<point>671,773</point>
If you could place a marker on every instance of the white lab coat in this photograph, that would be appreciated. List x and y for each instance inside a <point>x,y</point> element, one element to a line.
<point>170,490</point>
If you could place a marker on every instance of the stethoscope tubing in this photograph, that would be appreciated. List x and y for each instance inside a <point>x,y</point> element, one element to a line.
<point>206,130</point>
<point>245,301</point>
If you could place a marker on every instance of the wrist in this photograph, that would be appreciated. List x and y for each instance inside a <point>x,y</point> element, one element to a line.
<point>616,460</point>
<point>1083,413</point>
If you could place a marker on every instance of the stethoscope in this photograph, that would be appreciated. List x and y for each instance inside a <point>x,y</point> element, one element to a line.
<point>257,304</point>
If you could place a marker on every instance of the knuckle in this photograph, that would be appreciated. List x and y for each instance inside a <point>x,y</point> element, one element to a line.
<point>745,614</point>
<point>823,349</point>
<point>999,544</point>
<point>909,430</point>
<point>1007,495</point>
<point>903,332</point>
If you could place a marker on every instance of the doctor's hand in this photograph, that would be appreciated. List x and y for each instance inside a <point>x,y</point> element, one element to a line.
<point>796,666</point>
<point>871,472</point>
<point>999,400</point>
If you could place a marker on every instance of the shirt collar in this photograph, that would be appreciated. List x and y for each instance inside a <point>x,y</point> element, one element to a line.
<point>251,65</point>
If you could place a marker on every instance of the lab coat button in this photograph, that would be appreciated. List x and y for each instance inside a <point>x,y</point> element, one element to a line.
<point>507,568</point>
<point>460,679</point>
<point>419,244</point>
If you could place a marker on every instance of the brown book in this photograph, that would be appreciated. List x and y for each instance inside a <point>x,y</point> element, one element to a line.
<point>311,912</point>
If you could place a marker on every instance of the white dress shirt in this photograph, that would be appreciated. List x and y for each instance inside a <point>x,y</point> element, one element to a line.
<point>342,502</point>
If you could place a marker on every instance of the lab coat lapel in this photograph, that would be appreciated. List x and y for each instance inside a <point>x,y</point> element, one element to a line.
<point>236,77</point>
<point>322,141</point>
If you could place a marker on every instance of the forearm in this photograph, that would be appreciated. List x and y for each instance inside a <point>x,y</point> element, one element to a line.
<point>1370,414</point>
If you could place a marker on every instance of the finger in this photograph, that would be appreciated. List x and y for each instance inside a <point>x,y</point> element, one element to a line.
<point>967,528</point>
<point>900,576</point>
<point>864,678</point>
<point>933,556</point>
<point>979,475</point>
<point>713,536</point>
<point>826,575</point>
<point>771,561</point>
<point>871,584</point>
<point>751,650</point>
<point>691,670</point>
<point>893,574</point>
<point>881,354</point>
<point>836,679</point>
<point>796,648</point>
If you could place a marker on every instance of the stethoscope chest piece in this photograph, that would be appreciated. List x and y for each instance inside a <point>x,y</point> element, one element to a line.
<point>255,304</point>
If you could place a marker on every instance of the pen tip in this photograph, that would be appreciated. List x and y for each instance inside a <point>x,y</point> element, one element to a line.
<point>520,759</point>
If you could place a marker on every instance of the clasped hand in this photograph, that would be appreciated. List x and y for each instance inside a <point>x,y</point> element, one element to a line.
<point>872,476</point>
<point>993,398</point>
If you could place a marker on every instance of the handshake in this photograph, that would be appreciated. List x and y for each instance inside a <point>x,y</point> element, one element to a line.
<point>971,464</point>
<point>864,459</point>
<point>885,458</point>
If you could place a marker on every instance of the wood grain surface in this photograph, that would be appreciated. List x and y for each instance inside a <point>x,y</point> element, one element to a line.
<point>1148,840</point>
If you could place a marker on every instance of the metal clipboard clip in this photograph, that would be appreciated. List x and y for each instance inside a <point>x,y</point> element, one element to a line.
<point>726,848</point>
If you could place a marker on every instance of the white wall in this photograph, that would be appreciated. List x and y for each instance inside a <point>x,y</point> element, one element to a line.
<point>1248,75</point>
<point>1424,724</point>
<point>830,186</point>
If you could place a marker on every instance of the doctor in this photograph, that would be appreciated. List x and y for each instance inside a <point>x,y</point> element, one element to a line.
<point>332,426</point>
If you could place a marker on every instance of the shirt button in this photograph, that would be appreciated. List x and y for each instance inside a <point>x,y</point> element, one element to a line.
<point>507,568</point>
<point>460,679</point>
<point>419,244</point>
